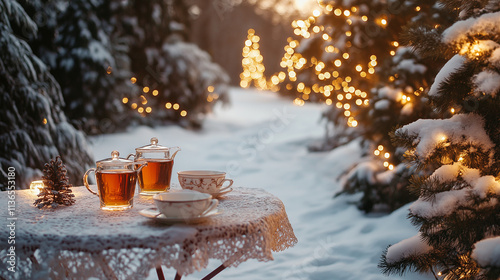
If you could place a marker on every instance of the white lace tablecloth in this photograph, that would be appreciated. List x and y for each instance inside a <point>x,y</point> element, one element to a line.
<point>82,241</point>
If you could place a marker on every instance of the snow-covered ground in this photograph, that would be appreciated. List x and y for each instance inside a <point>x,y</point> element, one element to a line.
<point>261,141</point>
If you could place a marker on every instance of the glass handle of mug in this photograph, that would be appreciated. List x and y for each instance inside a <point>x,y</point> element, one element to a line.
<point>226,187</point>
<point>86,178</point>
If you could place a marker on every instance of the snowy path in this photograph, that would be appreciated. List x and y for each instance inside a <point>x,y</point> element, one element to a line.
<point>261,141</point>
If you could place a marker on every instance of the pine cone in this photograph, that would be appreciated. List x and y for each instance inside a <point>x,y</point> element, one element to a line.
<point>57,188</point>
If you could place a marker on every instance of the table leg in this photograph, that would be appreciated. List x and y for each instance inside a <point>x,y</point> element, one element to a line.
<point>159,272</point>
<point>215,272</point>
<point>108,272</point>
<point>177,276</point>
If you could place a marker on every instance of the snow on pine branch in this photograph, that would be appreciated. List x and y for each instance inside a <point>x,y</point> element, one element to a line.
<point>449,68</point>
<point>486,24</point>
<point>487,82</point>
<point>446,202</point>
<point>427,134</point>
<point>487,252</point>
<point>414,245</point>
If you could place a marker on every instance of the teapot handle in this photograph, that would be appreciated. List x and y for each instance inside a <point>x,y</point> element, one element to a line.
<point>139,166</point>
<point>131,155</point>
<point>86,182</point>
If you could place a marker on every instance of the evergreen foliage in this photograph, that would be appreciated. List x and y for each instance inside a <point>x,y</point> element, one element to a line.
<point>458,207</point>
<point>57,190</point>
<point>33,127</point>
<point>351,56</point>
<point>398,97</point>
<point>87,59</point>
<point>120,63</point>
<point>177,81</point>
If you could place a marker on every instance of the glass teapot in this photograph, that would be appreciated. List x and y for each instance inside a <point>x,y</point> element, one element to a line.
<point>155,177</point>
<point>116,178</point>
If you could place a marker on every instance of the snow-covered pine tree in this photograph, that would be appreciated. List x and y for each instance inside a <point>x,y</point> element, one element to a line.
<point>399,98</point>
<point>76,43</point>
<point>178,81</point>
<point>351,57</point>
<point>33,127</point>
<point>458,210</point>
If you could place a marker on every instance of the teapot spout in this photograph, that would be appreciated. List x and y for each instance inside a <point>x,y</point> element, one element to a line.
<point>175,150</point>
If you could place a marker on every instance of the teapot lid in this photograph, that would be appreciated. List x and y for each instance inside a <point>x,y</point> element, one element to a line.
<point>153,147</point>
<point>115,160</point>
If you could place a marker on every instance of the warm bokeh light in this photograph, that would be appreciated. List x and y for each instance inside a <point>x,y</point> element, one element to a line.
<point>37,186</point>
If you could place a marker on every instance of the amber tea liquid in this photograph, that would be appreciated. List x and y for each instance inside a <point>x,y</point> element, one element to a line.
<point>116,189</point>
<point>155,177</point>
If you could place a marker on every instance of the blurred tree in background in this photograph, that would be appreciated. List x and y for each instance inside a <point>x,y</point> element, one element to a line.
<point>350,55</point>
<point>177,81</point>
<point>33,127</point>
<point>78,43</point>
<point>122,62</point>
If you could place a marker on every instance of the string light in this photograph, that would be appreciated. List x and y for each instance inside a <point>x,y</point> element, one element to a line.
<point>328,83</point>
<point>143,100</point>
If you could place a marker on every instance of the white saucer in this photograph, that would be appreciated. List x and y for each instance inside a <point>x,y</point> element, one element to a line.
<point>153,213</point>
<point>219,194</point>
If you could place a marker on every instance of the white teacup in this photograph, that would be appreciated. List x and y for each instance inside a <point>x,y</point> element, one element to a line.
<point>184,204</point>
<point>204,181</point>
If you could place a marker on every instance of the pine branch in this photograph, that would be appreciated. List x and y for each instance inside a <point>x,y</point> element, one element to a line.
<point>411,263</point>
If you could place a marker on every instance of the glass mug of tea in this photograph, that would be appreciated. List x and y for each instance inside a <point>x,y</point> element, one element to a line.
<point>155,177</point>
<point>116,179</point>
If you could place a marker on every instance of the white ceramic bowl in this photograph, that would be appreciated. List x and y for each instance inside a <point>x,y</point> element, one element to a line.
<point>184,204</point>
<point>204,181</point>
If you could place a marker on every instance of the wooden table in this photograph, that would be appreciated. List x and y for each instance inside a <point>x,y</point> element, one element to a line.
<point>82,241</point>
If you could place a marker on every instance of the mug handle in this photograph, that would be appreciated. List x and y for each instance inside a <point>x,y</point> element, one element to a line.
<point>212,206</point>
<point>86,182</point>
<point>226,187</point>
